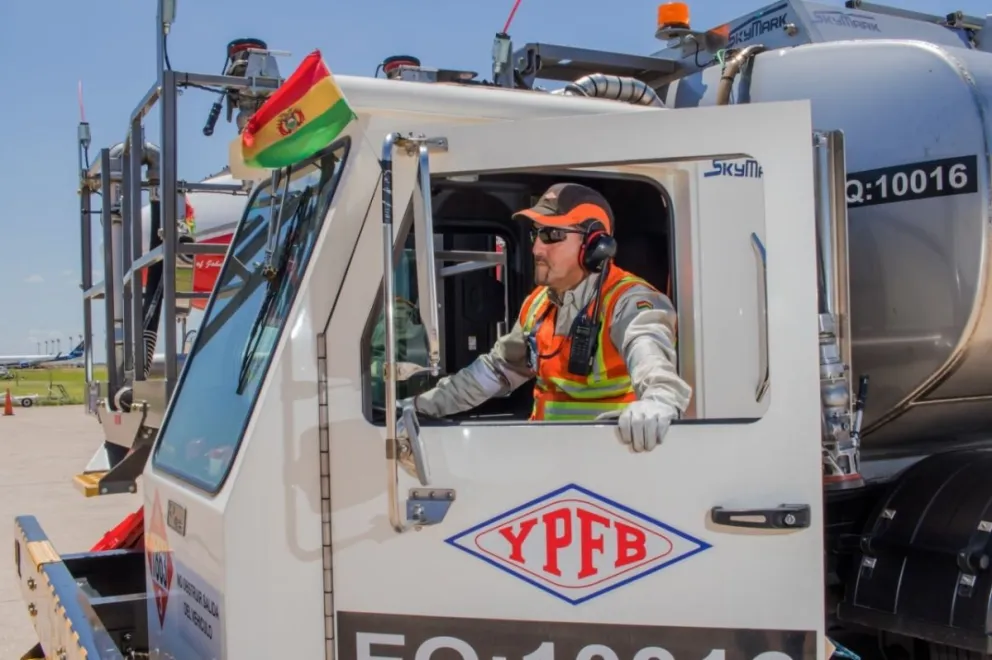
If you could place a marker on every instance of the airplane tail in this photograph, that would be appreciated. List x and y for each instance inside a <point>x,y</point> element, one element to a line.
<point>71,355</point>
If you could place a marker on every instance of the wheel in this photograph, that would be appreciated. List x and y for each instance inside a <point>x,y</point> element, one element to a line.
<point>943,652</point>
<point>26,402</point>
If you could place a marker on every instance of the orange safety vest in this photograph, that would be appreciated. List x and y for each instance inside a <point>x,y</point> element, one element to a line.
<point>560,395</point>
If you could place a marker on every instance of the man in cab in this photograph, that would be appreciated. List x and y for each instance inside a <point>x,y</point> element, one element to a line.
<point>599,340</point>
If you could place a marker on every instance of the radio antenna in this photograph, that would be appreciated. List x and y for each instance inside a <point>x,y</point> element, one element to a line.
<point>509,20</point>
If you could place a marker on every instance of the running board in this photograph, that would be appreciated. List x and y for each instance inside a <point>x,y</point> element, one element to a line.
<point>88,483</point>
<point>121,458</point>
<point>100,479</point>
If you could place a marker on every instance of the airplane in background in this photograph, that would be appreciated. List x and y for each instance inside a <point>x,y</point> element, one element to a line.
<point>28,361</point>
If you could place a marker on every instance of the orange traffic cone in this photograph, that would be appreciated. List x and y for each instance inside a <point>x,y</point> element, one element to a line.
<point>8,405</point>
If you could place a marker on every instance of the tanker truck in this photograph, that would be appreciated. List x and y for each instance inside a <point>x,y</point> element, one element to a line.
<point>824,241</point>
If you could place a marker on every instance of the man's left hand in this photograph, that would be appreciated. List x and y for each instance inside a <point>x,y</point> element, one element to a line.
<point>643,424</point>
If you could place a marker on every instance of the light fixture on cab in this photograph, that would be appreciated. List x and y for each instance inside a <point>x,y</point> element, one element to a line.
<point>675,28</point>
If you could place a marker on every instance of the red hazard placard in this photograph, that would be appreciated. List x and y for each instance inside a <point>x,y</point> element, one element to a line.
<point>159,557</point>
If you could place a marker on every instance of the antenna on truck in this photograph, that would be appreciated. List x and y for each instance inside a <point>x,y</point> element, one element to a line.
<point>83,133</point>
<point>503,73</point>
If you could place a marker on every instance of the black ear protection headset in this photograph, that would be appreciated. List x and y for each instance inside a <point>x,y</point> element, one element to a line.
<point>598,247</point>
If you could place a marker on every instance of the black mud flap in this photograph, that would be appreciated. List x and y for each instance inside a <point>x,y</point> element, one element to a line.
<point>923,567</point>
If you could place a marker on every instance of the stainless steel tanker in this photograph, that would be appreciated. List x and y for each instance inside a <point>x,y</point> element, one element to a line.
<point>913,100</point>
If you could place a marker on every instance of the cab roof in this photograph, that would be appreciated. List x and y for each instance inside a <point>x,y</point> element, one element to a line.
<point>383,96</point>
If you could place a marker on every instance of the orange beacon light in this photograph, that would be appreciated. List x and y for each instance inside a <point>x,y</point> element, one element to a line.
<point>673,15</point>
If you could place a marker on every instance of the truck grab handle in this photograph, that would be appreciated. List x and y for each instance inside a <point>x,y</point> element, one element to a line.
<point>784,516</point>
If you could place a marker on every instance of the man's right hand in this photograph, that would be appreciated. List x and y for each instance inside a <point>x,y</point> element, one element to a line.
<point>411,402</point>
<point>643,424</point>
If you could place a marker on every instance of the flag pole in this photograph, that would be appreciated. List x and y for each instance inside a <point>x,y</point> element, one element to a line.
<point>275,221</point>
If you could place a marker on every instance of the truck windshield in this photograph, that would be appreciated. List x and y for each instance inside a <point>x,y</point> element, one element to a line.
<point>243,322</point>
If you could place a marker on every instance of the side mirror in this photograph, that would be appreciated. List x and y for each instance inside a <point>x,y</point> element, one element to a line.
<point>411,436</point>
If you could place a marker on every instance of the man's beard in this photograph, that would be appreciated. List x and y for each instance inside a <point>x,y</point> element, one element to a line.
<point>541,279</point>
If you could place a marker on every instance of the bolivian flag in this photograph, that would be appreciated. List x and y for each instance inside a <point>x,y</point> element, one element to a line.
<point>300,118</point>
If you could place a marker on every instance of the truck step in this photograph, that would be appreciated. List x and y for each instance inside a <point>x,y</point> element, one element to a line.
<point>70,622</point>
<point>88,483</point>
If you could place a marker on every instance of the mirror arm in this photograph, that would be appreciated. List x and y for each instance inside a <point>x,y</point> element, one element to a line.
<point>422,510</point>
<point>423,220</point>
<point>389,368</point>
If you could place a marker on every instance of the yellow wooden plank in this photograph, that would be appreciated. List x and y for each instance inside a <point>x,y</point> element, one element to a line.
<point>88,483</point>
<point>42,552</point>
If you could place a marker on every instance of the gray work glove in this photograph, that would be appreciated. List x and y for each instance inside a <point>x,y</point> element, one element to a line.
<point>643,424</point>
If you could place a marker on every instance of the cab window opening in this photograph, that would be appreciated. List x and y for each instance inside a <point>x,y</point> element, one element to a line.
<point>218,389</point>
<point>479,305</point>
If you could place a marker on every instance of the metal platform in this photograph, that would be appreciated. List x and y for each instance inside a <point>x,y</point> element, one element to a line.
<point>131,403</point>
<point>84,606</point>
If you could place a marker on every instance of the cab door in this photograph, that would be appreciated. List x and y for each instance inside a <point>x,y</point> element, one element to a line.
<point>513,539</point>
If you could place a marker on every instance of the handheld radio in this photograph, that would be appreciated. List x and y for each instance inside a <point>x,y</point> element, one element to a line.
<point>585,334</point>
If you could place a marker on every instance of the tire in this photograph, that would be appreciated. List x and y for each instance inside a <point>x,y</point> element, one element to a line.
<point>943,652</point>
<point>26,403</point>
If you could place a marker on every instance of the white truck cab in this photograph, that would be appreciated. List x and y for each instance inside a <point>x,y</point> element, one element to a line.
<point>506,538</point>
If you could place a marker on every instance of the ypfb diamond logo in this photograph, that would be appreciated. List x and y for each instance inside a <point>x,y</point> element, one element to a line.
<point>577,545</point>
<point>159,560</point>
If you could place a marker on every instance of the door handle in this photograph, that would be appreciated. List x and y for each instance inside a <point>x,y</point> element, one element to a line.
<point>784,516</point>
<point>760,254</point>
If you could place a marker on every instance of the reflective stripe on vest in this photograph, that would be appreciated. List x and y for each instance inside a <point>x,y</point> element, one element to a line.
<point>560,395</point>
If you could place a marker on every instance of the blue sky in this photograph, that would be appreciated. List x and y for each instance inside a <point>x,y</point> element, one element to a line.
<point>110,46</point>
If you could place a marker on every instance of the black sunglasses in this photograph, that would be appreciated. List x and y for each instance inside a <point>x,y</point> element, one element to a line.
<point>549,235</point>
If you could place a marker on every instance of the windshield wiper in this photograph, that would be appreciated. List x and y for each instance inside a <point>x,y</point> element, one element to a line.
<point>220,314</point>
<point>275,277</point>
